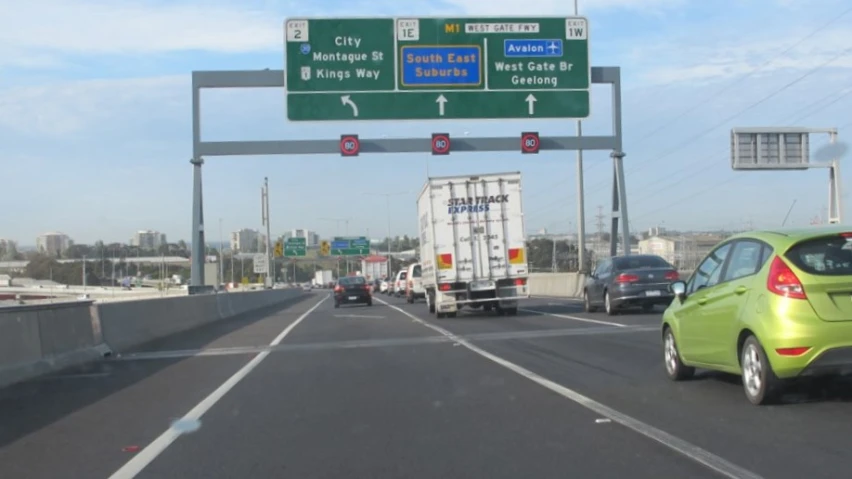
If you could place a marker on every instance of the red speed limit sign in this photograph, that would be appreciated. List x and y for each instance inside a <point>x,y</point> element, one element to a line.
<point>530,142</point>
<point>440,143</point>
<point>349,145</point>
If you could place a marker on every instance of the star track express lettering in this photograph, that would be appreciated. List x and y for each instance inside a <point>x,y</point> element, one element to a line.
<point>476,204</point>
<point>429,70</point>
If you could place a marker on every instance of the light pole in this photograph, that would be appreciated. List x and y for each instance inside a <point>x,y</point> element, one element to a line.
<point>337,222</point>
<point>221,264</point>
<point>387,202</point>
<point>581,207</point>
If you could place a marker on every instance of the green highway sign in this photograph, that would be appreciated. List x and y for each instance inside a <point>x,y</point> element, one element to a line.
<point>437,68</point>
<point>295,247</point>
<point>359,246</point>
<point>457,105</point>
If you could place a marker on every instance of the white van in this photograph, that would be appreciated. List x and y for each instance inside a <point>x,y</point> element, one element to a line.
<point>414,289</point>
<point>399,283</point>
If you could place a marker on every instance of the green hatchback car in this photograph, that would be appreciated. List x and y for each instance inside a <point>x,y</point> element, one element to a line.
<point>767,305</point>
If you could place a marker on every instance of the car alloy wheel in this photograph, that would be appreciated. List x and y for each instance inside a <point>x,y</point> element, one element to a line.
<point>675,369</point>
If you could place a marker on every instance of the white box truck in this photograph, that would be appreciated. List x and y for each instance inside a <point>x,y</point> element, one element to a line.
<point>472,243</point>
<point>323,278</point>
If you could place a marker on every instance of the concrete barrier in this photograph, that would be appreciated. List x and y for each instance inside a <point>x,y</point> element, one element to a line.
<point>37,339</point>
<point>565,285</point>
<point>131,323</point>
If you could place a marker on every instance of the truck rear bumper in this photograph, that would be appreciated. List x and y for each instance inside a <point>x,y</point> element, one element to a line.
<point>504,296</point>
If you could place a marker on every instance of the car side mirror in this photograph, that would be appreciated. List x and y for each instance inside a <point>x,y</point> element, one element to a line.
<point>678,288</point>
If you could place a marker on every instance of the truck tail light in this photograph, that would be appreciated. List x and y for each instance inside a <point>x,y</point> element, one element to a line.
<point>520,281</point>
<point>444,287</point>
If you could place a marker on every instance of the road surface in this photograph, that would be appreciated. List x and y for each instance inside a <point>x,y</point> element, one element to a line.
<point>389,391</point>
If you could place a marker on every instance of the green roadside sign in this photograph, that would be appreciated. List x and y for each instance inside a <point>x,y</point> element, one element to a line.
<point>295,247</point>
<point>437,68</point>
<point>359,246</point>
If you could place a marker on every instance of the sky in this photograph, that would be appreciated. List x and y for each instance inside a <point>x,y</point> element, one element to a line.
<point>95,118</point>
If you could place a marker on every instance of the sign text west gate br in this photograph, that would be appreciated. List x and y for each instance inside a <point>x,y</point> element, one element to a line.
<point>437,68</point>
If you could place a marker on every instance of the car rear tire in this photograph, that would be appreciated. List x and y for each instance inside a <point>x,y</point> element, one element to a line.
<point>369,303</point>
<point>608,307</point>
<point>675,369</point>
<point>760,384</point>
<point>587,303</point>
<point>336,304</point>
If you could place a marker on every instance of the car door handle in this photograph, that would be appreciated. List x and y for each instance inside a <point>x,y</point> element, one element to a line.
<point>702,301</point>
<point>740,290</point>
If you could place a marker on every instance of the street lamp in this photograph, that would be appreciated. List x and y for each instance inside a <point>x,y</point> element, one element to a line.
<point>387,201</point>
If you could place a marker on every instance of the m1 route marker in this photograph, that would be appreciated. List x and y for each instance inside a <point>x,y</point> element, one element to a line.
<point>345,69</point>
<point>440,143</point>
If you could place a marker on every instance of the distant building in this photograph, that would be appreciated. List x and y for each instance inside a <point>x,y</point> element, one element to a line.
<point>311,237</point>
<point>148,240</point>
<point>684,251</point>
<point>248,241</point>
<point>53,244</point>
<point>8,248</point>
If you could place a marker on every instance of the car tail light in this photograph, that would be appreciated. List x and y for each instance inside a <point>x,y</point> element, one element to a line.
<point>846,235</point>
<point>672,276</point>
<point>793,351</point>
<point>520,281</point>
<point>783,281</point>
<point>338,289</point>
<point>626,278</point>
<point>444,287</point>
<point>368,288</point>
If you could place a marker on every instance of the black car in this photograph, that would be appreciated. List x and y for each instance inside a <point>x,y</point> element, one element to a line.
<point>353,290</point>
<point>629,281</point>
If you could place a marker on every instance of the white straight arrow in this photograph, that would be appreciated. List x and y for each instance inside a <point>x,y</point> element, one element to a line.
<point>441,101</point>
<point>530,104</point>
<point>345,100</point>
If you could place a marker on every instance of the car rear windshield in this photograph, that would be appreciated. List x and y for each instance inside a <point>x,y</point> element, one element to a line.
<point>638,262</point>
<point>826,256</point>
<point>352,280</point>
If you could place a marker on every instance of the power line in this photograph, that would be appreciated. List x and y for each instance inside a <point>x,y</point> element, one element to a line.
<point>739,80</point>
<point>746,75</point>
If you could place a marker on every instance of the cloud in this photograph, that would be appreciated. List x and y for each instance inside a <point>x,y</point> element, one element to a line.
<point>64,109</point>
<point>94,27</point>
<point>563,7</point>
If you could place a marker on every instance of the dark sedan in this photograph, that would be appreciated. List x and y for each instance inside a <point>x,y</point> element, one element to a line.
<point>353,290</point>
<point>629,281</point>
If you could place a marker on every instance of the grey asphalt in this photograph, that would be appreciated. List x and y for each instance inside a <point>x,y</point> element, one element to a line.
<point>374,392</point>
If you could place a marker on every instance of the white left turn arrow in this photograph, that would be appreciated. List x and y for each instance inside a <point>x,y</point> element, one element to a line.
<point>530,104</point>
<point>441,101</point>
<point>345,100</point>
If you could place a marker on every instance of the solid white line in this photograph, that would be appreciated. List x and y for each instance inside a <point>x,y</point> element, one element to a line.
<point>557,298</point>
<point>575,318</point>
<point>151,451</point>
<point>691,451</point>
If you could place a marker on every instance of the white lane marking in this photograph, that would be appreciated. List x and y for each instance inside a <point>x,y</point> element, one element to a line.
<point>134,466</point>
<point>691,451</point>
<point>554,298</point>
<point>575,318</point>
<point>358,316</point>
